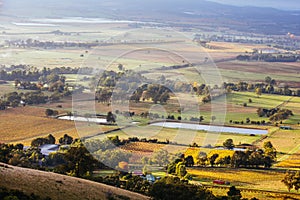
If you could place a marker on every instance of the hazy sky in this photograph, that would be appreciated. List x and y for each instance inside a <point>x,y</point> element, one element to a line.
<point>280,4</point>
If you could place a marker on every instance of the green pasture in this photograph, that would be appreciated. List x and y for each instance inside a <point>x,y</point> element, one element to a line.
<point>180,136</point>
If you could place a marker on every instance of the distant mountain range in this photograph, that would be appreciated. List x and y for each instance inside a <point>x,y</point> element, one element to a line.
<point>188,12</point>
<point>279,4</point>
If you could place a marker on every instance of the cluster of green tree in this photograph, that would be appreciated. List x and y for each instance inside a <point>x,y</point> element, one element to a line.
<point>159,157</point>
<point>75,160</point>
<point>7,194</point>
<point>292,180</point>
<point>120,85</point>
<point>173,188</point>
<point>274,114</point>
<point>51,112</point>
<point>15,99</point>
<point>50,139</point>
<point>31,157</point>
<point>176,66</point>
<point>106,152</point>
<point>154,116</point>
<point>248,121</point>
<point>125,85</point>
<point>115,140</point>
<point>178,166</point>
<point>169,187</point>
<point>154,92</point>
<point>126,181</point>
<point>26,85</point>
<point>279,43</point>
<point>25,75</point>
<point>15,155</point>
<point>265,157</point>
<point>196,119</point>
<point>201,89</point>
<point>269,57</point>
<point>268,87</point>
<point>248,159</point>
<point>29,73</point>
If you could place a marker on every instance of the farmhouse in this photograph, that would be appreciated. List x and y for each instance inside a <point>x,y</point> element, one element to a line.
<point>285,127</point>
<point>150,178</point>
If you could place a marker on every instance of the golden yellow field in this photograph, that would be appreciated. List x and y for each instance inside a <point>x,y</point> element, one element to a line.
<point>287,145</point>
<point>262,184</point>
<point>25,123</point>
<point>264,195</point>
<point>244,178</point>
<point>142,147</point>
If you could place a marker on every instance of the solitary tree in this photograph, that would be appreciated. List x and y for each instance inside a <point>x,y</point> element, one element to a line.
<point>202,158</point>
<point>49,112</point>
<point>258,91</point>
<point>180,169</point>
<point>51,139</point>
<point>110,117</point>
<point>213,118</point>
<point>66,139</point>
<point>228,144</point>
<point>212,159</point>
<point>189,161</point>
<point>268,79</point>
<point>288,180</point>
<point>269,150</point>
<point>160,157</point>
<point>234,193</point>
<point>120,67</point>
<point>79,160</point>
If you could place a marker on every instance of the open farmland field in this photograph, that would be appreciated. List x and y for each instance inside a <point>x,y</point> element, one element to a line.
<point>294,105</point>
<point>37,57</point>
<point>7,88</point>
<point>134,57</point>
<point>257,71</point>
<point>142,147</point>
<point>250,193</point>
<point>291,161</point>
<point>263,101</point>
<point>180,136</point>
<point>251,182</point>
<point>244,178</point>
<point>25,123</point>
<point>286,143</point>
<point>224,109</point>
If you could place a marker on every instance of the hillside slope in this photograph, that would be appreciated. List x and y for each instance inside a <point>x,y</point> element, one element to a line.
<point>56,186</point>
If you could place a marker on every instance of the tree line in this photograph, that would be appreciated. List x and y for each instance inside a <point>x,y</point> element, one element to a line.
<point>267,87</point>
<point>269,57</point>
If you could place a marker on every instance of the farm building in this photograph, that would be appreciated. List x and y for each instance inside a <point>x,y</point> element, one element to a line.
<point>220,182</point>
<point>285,127</point>
<point>137,173</point>
<point>150,178</point>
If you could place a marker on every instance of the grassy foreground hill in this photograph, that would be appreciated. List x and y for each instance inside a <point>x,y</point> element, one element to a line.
<point>56,186</point>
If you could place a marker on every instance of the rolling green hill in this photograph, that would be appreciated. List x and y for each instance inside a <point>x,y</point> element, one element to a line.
<point>56,186</point>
